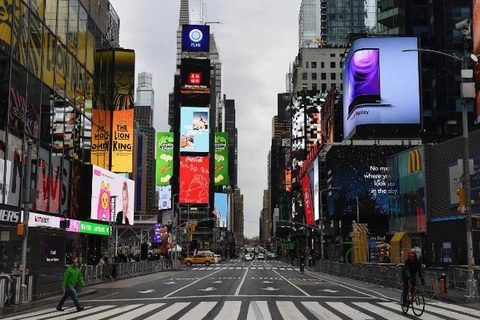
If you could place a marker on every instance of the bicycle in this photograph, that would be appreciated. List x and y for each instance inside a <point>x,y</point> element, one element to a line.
<point>416,299</point>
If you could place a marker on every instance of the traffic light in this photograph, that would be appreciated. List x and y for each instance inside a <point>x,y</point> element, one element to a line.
<point>21,229</point>
<point>462,199</point>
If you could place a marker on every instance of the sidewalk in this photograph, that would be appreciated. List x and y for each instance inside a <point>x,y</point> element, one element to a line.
<point>51,301</point>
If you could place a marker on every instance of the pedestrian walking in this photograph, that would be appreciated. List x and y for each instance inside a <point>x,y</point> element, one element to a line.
<point>71,278</point>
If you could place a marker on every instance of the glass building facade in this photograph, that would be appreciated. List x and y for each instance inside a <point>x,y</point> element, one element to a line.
<point>342,17</point>
<point>309,24</point>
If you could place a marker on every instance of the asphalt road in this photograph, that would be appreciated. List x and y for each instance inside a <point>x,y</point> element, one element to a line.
<point>242,290</point>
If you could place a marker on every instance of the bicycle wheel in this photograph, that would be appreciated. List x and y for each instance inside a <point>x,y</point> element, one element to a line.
<point>404,305</point>
<point>418,304</point>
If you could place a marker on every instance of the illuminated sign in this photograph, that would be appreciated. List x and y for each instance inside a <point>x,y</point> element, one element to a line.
<point>194,179</point>
<point>196,38</point>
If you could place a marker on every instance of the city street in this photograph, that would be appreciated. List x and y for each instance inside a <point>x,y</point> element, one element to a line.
<point>242,290</point>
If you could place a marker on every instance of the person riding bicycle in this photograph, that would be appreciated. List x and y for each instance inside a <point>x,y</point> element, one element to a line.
<point>410,269</point>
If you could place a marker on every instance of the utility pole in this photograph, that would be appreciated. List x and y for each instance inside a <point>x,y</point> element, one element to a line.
<point>111,223</point>
<point>26,213</point>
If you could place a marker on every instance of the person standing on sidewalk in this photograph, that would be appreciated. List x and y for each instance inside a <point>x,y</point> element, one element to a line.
<point>71,278</point>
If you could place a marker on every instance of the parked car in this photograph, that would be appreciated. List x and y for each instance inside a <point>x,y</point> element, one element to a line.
<point>201,258</point>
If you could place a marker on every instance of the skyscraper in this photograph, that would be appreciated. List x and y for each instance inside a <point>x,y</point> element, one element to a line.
<point>309,24</point>
<point>144,116</point>
<point>230,127</point>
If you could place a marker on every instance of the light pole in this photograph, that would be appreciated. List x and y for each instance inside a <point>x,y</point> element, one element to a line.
<point>358,211</point>
<point>466,151</point>
<point>322,254</point>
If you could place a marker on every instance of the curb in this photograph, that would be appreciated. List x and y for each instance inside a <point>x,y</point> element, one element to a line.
<point>8,311</point>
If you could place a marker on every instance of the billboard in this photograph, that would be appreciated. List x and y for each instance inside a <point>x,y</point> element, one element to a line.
<point>138,172</point>
<point>164,154</point>
<point>196,38</point>
<point>221,159</point>
<point>316,190</point>
<point>101,132</point>
<point>156,233</point>
<point>476,26</point>
<point>106,186</point>
<point>164,197</point>
<point>122,107</point>
<point>374,71</point>
<point>194,179</point>
<point>307,201</point>
<point>194,129</point>
<point>221,209</point>
<point>195,82</point>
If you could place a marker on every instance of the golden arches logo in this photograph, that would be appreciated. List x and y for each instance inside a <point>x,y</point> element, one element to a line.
<point>414,162</point>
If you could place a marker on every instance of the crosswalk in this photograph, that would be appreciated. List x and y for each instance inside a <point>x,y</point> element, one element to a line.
<point>253,310</point>
<point>253,267</point>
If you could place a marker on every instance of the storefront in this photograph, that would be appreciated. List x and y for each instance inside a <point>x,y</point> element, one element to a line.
<point>10,243</point>
<point>86,240</point>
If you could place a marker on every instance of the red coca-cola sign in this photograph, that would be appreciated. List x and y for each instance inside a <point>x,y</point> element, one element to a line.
<point>194,180</point>
<point>307,201</point>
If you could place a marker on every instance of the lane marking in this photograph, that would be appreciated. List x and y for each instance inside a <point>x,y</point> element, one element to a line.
<point>258,310</point>
<point>241,283</point>
<point>230,310</point>
<point>105,314</point>
<point>319,311</point>
<point>396,307</point>
<point>387,314</point>
<point>289,311</point>
<point>293,285</point>
<point>169,312</point>
<point>199,311</point>
<point>145,309</point>
<point>349,311</point>
<point>192,283</point>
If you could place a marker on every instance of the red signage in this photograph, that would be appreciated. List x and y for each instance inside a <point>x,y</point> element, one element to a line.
<point>195,78</point>
<point>312,155</point>
<point>194,179</point>
<point>307,201</point>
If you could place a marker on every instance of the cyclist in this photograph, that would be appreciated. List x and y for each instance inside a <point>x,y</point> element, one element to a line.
<point>410,269</point>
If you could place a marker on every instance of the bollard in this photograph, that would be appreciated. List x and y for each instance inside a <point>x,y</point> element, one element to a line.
<point>443,288</point>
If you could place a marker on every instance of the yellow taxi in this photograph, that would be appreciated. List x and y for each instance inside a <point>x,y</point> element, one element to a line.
<point>205,258</point>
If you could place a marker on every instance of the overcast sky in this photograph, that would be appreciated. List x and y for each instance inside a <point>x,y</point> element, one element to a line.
<point>257,40</point>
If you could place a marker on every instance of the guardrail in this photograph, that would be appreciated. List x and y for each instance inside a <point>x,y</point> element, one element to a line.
<point>390,275</point>
<point>11,290</point>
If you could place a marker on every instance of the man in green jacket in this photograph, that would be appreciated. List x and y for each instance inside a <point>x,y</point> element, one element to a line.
<point>71,278</point>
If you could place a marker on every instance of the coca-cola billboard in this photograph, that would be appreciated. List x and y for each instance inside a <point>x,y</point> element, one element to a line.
<point>194,179</point>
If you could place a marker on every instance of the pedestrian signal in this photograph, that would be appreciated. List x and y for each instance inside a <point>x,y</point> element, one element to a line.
<point>462,199</point>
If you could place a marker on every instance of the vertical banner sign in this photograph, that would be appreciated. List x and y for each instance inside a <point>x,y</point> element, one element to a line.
<point>194,179</point>
<point>123,97</point>
<point>221,159</point>
<point>164,158</point>
<point>307,201</point>
<point>139,174</point>
<point>100,153</point>
<point>316,191</point>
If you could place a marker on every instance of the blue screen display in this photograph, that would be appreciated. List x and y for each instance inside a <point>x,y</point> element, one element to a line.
<point>196,38</point>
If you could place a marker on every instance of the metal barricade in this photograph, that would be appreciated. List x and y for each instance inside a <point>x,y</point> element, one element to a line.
<point>3,293</point>
<point>17,286</point>
<point>30,288</point>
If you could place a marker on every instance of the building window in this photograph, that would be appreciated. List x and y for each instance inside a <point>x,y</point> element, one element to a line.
<point>314,76</point>
<point>304,76</point>
<point>333,76</point>
<point>322,64</point>
<point>314,64</point>
<point>323,76</point>
<point>324,87</point>
<point>341,86</point>
<point>332,64</point>
<point>314,86</point>
<point>332,55</point>
<point>306,64</point>
<point>304,86</point>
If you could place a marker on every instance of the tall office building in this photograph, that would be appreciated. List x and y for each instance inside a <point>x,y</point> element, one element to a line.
<point>309,24</point>
<point>340,18</point>
<point>144,116</point>
<point>231,128</point>
<point>434,23</point>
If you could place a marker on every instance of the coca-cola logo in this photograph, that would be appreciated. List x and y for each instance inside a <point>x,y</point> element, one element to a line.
<point>194,159</point>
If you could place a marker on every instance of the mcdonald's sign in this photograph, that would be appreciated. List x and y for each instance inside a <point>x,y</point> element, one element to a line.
<point>414,161</point>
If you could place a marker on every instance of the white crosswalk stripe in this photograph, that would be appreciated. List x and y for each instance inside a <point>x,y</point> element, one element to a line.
<point>252,310</point>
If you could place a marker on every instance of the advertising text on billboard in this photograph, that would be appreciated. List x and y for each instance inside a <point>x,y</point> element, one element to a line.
<point>221,159</point>
<point>164,166</point>
<point>195,38</point>
<point>194,129</point>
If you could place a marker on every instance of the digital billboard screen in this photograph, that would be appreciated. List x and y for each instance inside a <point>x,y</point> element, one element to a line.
<point>194,129</point>
<point>221,209</point>
<point>221,159</point>
<point>106,186</point>
<point>194,179</point>
<point>164,155</point>
<point>195,38</point>
<point>195,82</point>
<point>381,83</point>
<point>164,197</point>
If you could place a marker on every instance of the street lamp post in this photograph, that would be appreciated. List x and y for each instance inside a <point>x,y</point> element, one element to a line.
<point>466,151</point>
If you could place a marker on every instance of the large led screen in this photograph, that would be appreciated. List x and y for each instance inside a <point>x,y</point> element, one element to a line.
<point>221,158</point>
<point>316,191</point>
<point>106,186</point>
<point>360,171</point>
<point>221,209</point>
<point>381,83</point>
<point>164,158</point>
<point>194,129</point>
<point>195,38</point>
<point>194,179</point>
<point>164,197</point>
<point>195,82</point>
